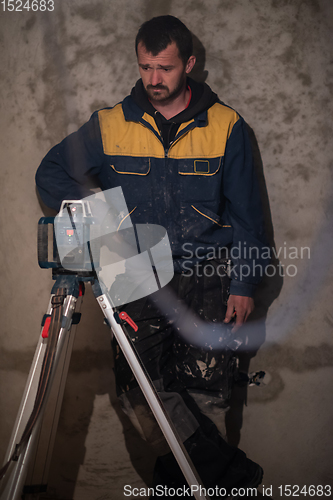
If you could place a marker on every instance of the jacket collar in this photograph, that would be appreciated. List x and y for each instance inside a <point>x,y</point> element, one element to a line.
<point>137,104</point>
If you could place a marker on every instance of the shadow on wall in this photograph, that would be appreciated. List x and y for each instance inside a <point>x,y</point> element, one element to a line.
<point>199,73</point>
<point>269,288</point>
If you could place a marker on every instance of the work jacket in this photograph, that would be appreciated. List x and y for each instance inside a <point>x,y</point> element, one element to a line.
<point>202,187</point>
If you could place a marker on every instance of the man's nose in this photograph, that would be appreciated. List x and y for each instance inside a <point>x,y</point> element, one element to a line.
<point>156,78</point>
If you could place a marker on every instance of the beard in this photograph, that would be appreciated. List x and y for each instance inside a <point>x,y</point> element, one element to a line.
<point>164,94</point>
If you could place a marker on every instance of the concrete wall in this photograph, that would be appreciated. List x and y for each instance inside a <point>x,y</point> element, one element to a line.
<point>272,61</point>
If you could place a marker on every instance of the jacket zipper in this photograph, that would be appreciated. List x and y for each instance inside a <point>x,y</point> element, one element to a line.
<point>167,177</point>
<point>166,156</point>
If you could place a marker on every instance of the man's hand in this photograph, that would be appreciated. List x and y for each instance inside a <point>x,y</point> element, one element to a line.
<point>238,306</point>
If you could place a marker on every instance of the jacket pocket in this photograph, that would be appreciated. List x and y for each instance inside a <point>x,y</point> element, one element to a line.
<point>132,166</point>
<point>208,214</point>
<point>200,180</point>
<point>134,177</point>
<point>205,168</point>
<point>203,225</point>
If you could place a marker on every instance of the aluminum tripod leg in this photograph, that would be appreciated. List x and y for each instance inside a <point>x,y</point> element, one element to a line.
<point>34,460</point>
<point>151,395</point>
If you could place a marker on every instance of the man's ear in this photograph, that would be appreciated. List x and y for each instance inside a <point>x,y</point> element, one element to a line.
<point>190,64</point>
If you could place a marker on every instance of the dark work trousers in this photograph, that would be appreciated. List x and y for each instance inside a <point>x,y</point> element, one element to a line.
<point>181,372</point>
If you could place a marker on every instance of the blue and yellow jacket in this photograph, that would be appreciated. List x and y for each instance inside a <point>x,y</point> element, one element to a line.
<point>202,187</point>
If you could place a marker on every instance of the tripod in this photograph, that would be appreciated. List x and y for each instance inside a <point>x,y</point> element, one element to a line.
<point>27,461</point>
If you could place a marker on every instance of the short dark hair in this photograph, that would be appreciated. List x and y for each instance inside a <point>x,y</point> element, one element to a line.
<point>157,33</point>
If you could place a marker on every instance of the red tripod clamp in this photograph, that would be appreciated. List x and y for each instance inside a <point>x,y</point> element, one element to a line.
<point>125,317</point>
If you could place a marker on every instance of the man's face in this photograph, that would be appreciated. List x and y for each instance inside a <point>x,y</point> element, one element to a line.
<point>164,75</point>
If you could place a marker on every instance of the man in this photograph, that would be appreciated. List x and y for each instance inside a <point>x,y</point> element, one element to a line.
<point>183,160</point>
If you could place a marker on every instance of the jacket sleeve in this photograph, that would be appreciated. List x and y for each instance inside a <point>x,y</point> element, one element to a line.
<point>65,171</point>
<point>243,211</point>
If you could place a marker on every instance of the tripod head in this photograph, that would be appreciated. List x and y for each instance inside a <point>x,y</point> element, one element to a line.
<point>70,240</point>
